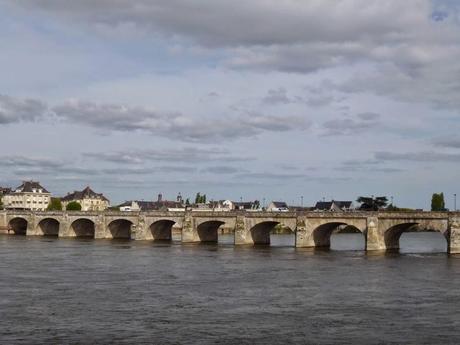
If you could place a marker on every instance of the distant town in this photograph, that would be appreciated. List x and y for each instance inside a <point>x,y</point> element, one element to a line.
<point>31,195</point>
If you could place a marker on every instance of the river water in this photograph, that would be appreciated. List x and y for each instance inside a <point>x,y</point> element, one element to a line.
<point>59,291</point>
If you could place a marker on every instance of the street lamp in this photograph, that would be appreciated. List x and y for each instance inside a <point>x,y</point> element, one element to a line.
<point>455,202</point>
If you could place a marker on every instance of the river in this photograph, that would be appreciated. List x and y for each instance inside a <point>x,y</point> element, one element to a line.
<point>59,291</point>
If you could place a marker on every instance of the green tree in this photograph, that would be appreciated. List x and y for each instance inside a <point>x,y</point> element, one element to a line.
<point>187,202</point>
<point>200,199</point>
<point>437,202</point>
<point>1,202</point>
<point>73,206</point>
<point>371,203</point>
<point>54,205</point>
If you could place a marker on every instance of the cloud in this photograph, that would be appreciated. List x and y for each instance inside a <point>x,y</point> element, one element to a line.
<point>260,122</point>
<point>315,97</point>
<point>31,167</point>
<point>270,176</point>
<point>123,118</point>
<point>367,166</point>
<point>448,142</point>
<point>174,125</point>
<point>183,155</point>
<point>115,117</point>
<point>368,116</point>
<point>13,110</point>
<point>412,48</point>
<point>259,22</point>
<point>351,126</point>
<point>277,96</point>
<point>222,169</point>
<point>426,156</point>
<point>27,162</point>
<point>363,168</point>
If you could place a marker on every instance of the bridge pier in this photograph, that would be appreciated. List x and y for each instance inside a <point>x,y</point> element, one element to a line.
<point>375,238</point>
<point>242,235</point>
<point>64,228</point>
<point>189,231</point>
<point>454,236</point>
<point>139,230</point>
<point>304,233</point>
<point>32,226</point>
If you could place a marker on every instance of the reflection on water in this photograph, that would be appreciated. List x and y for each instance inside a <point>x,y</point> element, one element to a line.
<point>101,291</point>
<point>412,242</point>
<point>422,242</point>
<point>349,241</point>
<point>276,240</point>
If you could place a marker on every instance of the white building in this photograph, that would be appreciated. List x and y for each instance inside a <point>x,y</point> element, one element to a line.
<point>88,199</point>
<point>334,206</point>
<point>28,196</point>
<point>278,206</point>
<point>159,205</point>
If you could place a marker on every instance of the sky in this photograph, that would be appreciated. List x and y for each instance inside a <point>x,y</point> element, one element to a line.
<point>261,99</point>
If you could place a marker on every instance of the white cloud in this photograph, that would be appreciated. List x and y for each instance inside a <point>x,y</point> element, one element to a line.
<point>20,110</point>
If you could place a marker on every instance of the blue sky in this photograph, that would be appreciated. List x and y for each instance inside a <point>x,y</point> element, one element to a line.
<point>260,99</point>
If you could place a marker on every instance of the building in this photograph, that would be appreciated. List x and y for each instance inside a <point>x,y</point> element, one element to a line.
<point>246,205</point>
<point>334,206</point>
<point>159,205</point>
<point>136,206</point>
<point>30,195</point>
<point>88,199</point>
<point>277,206</point>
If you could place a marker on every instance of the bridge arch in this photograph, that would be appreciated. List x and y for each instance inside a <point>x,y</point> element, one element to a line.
<point>83,227</point>
<point>260,232</point>
<point>322,234</point>
<point>48,227</point>
<point>393,233</point>
<point>161,230</point>
<point>120,229</point>
<point>324,228</point>
<point>208,230</point>
<point>18,225</point>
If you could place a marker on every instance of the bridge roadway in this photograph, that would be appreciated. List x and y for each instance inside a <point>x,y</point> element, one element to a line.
<point>381,230</point>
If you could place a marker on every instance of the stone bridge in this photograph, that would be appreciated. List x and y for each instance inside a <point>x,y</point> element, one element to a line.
<point>381,230</point>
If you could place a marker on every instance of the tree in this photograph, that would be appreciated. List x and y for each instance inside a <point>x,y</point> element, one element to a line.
<point>437,202</point>
<point>54,205</point>
<point>1,202</point>
<point>187,202</point>
<point>200,199</point>
<point>371,203</point>
<point>73,206</point>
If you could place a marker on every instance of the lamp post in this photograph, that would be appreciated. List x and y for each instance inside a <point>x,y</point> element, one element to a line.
<point>455,202</point>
